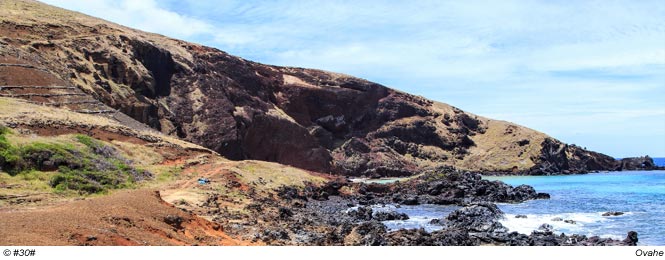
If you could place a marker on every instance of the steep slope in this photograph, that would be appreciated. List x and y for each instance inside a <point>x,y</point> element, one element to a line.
<point>307,118</point>
<point>70,178</point>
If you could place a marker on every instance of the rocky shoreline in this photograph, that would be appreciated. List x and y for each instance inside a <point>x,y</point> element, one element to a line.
<point>340,213</point>
<point>642,163</point>
<point>477,224</point>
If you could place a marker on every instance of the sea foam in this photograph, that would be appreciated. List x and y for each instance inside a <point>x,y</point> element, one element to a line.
<point>585,223</point>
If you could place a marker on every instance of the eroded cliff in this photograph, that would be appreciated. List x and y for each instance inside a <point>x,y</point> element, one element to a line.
<point>312,119</point>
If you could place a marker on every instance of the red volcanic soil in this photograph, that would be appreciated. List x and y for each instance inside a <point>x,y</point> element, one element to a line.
<point>20,73</point>
<point>138,217</point>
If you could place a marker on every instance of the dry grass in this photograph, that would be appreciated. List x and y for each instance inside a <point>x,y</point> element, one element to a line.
<point>23,139</point>
<point>15,111</point>
<point>498,147</point>
<point>251,178</point>
<point>28,12</point>
<point>26,184</point>
<point>295,81</point>
<point>267,175</point>
<point>141,155</point>
<point>192,197</point>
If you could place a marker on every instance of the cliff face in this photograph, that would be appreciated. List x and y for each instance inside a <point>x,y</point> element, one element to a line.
<point>307,118</point>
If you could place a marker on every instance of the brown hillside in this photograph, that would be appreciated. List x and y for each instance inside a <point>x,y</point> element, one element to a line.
<point>307,118</point>
<point>35,211</point>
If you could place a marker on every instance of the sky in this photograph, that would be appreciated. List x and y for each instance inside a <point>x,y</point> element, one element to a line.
<point>590,73</point>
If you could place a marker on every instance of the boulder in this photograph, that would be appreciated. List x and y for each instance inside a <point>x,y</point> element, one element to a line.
<point>545,227</point>
<point>389,215</point>
<point>174,221</point>
<point>371,233</point>
<point>612,213</point>
<point>410,200</point>
<point>332,123</point>
<point>631,239</point>
<point>478,217</point>
<point>363,213</point>
<point>454,237</point>
<point>285,213</point>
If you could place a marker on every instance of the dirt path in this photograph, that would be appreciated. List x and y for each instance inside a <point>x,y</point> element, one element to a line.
<point>137,217</point>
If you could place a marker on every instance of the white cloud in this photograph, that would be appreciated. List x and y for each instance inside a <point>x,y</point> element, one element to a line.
<point>145,15</point>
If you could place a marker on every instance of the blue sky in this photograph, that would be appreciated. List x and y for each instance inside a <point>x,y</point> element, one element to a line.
<point>590,73</point>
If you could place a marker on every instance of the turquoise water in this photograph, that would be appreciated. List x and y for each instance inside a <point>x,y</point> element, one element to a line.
<point>583,198</point>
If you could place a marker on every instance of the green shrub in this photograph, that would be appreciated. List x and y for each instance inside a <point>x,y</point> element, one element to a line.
<point>8,154</point>
<point>92,169</point>
<point>4,130</point>
<point>67,179</point>
<point>86,140</point>
<point>35,155</point>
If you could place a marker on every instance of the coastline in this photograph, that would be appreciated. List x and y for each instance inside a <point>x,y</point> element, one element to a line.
<point>583,199</point>
<point>513,174</point>
<point>548,220</point>
<point>347,213</point>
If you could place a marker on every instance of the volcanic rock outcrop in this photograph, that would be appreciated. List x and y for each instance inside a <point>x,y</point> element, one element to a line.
<point>447,186</point>
<point>637,164</point>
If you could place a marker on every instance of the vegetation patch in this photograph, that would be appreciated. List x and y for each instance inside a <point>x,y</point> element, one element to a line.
<point>270,176</point>
<point>167,173</point>
<point>83,164</point>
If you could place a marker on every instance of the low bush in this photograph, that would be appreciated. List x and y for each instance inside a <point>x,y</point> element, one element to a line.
<point>92,168</point>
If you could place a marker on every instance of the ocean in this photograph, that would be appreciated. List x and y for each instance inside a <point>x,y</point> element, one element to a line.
<point>581,198</point>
